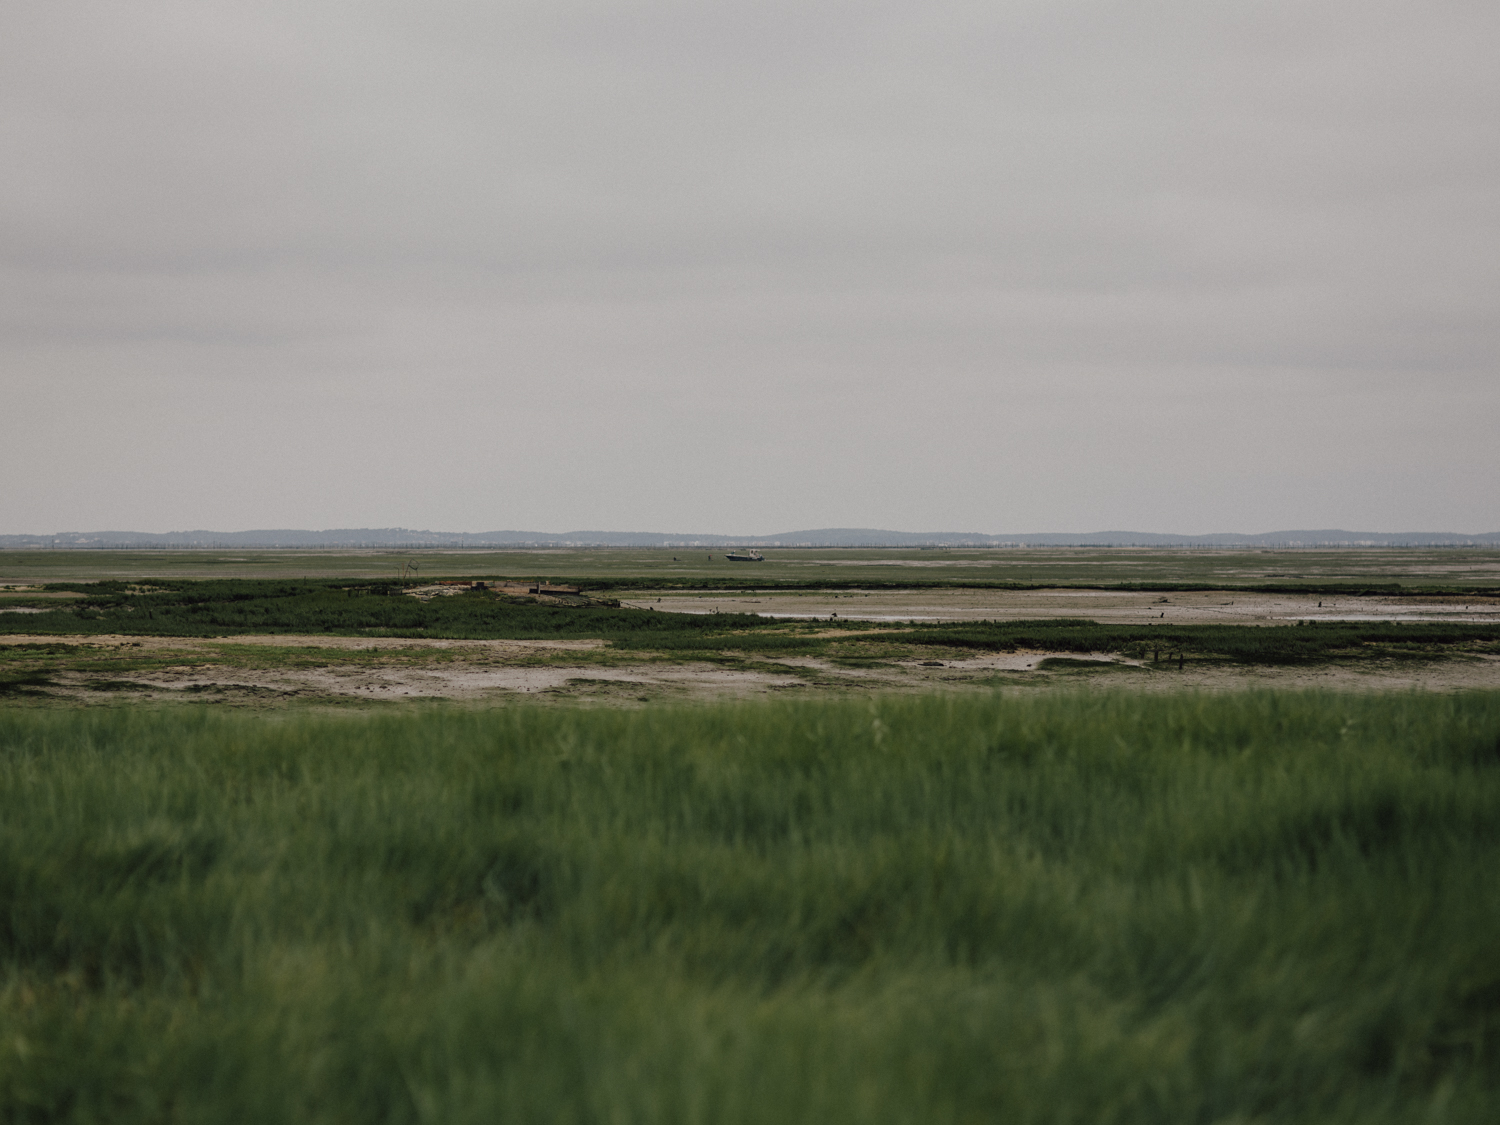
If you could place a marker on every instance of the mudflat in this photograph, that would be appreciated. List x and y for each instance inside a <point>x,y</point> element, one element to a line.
<point>1120,607</point>
<point>261,671</point>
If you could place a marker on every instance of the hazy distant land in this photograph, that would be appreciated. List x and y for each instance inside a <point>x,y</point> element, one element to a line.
<point>820,537</point>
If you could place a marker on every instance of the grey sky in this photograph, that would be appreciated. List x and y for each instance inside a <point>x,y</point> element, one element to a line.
<point>746,267</point>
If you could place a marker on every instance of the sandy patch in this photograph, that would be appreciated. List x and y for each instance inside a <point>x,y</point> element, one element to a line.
<point>709,681</point>
<point>461,682</point>
<point>1105,606</point>
<point>469,683</point>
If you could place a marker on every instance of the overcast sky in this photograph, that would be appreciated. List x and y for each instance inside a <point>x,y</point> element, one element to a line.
<point>1048,265</point>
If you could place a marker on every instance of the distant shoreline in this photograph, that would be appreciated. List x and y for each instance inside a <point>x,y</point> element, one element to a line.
<point>399,538</point>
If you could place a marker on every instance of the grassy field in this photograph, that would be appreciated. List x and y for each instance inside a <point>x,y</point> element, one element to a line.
<point>1101,908</point>
<point>625,568</point>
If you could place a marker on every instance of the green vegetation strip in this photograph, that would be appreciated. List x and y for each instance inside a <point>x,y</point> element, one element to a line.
<point>1098,908</point>
<point>184,608</point>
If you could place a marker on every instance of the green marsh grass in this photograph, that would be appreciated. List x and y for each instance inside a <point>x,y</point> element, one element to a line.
<point>1064,908</point>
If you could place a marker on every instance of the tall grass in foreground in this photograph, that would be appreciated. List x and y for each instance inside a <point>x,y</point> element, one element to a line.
<point>1087,909</point>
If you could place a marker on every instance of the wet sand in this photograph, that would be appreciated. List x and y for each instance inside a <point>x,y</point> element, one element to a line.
<point>1106,606</point>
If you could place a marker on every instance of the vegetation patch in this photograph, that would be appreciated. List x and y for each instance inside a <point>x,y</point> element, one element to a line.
<point>31,681</point>
<point>1075,664</point>
<point>860,662</point>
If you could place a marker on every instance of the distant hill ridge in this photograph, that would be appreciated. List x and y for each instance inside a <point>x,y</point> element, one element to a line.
<point>822,537</point>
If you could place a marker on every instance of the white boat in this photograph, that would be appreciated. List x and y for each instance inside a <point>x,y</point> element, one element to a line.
<point>745,555</point>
